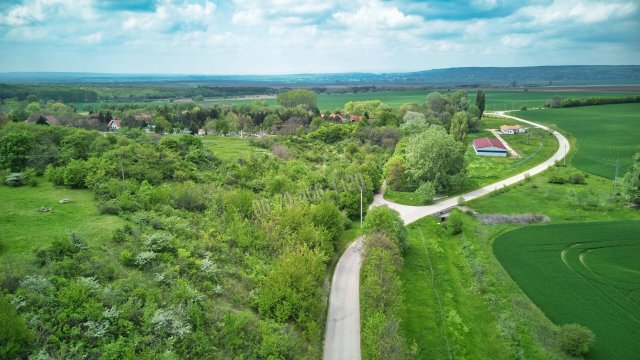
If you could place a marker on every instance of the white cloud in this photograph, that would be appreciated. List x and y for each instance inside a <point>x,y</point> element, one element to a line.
<point>37,11</point>
<point>94,38</point>
<point>377,16</point>
<point>516,40</point>
<point>168,14</point>
<point>576,11</point>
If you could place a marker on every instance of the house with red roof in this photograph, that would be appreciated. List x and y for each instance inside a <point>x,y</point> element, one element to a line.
<point>489,147</point>
<point>52,120</point>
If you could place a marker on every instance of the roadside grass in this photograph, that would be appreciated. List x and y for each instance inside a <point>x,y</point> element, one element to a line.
<point>605,134</point>
<point>459,302</point>
<point>230,147</point>
<point>24,229</point>
<point>585,273</point>
<point>534,147</point>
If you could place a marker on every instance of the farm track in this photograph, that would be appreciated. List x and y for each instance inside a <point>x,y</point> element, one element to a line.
<point>342,337</point>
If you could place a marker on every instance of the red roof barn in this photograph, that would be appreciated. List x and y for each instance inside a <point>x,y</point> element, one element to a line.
<point>489,147</point>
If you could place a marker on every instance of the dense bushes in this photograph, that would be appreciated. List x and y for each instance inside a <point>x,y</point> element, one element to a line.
<point>599,101</point>
<point>380,286</point>
<point>575,340</point>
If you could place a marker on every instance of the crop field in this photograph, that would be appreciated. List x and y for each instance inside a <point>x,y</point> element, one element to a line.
<point>586,273</point>
<point>605,134</point>
<point>230,147</point>
<point>25,229</point>
<point>496,100</point>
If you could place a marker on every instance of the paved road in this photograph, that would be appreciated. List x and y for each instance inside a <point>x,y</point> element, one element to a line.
<point>342,338</point>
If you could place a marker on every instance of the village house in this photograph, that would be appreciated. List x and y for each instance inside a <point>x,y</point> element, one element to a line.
<point>52,120</point>
<point>512,129</point>
<point>489,147</point>
<point>202,132</point>
<point>114,124</point>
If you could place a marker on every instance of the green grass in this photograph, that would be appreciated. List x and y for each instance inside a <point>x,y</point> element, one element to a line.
<point>230,147</point>
<point>443,313</point>
<point>586,273</point>
<point>24,229</point>
<point>605,134</point>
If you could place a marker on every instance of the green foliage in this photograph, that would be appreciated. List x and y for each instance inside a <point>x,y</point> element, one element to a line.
<point>15,149</point>
<point>570,102</point>
<point>16,340</point>
<point>326,215</point>
<point>369,107</point>
<point>481,101</point>
<point>397,176</point>
<point>291,288</point>
<point>332,133</point>
<point>436,157</point>
<point>426,191</point>
<point>16,179</point>
<point>631,182</point>
<point>297,97</point>
<point>575,340</point>
<point>459,126</point>
<point>455,222</point>
<point>382,219</point>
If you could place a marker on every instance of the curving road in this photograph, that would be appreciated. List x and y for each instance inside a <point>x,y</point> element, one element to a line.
<point>342,337</point>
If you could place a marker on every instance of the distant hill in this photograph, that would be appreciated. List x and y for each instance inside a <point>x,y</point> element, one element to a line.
<point>463,76</point>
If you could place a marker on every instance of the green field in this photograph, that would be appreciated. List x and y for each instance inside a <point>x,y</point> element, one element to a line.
<point>496,100</point>
<point>24,229</point>
<point>586,273</point>
<point>230,147</point>
<point>605,134</point>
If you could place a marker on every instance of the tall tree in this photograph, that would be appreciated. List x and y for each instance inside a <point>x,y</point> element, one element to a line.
<point>480,101</point>
<point>435,156</point>
<point>631,182</point>
<point>459,125</point>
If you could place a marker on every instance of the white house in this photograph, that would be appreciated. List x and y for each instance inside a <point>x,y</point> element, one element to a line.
<point>114,124</point>
<point>489,147</point>
<point>512,129</point>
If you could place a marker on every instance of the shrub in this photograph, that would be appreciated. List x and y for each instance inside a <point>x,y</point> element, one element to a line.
<point>523,108</point>
<point>426,192</point>
<point>126,257</point>
<point>386,220</point>
<point>577,178</point>
<point>494,219</point>
<point>575,340</point>
<point>455,222</point>
<point>557,179</point>
<point>15,337</point>
<point>16,179</point>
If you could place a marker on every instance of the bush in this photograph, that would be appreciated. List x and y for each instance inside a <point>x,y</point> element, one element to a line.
<point>494,219</point>
<point>577,178</point>
<point>557,179</point>
<point>455,222</point>
<point>16,179</point>
<point>523,108</point>
<point>575,340</point>
<point>426,192</point>
<point>15,337</point>
<point>386,220</point>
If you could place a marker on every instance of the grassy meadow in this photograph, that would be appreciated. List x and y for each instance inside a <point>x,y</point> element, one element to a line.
<point>605,134</point>
<point>230,147</point>
<point>25,229</point>
<point>584,273</point>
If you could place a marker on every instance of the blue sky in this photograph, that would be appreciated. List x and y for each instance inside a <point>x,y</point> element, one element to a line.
<point>321,36</point>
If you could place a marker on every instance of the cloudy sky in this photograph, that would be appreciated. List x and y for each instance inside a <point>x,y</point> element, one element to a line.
<point>297,36</point>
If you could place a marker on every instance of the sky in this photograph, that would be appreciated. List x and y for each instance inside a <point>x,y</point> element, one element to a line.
<point>312,36</point>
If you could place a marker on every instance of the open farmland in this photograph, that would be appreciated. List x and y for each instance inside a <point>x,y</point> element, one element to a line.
<point>585,273</point>
<point>605,134</point>
<point>496,100</point>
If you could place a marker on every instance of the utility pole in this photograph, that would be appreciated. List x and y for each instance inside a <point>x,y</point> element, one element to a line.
<point>360,206</point>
